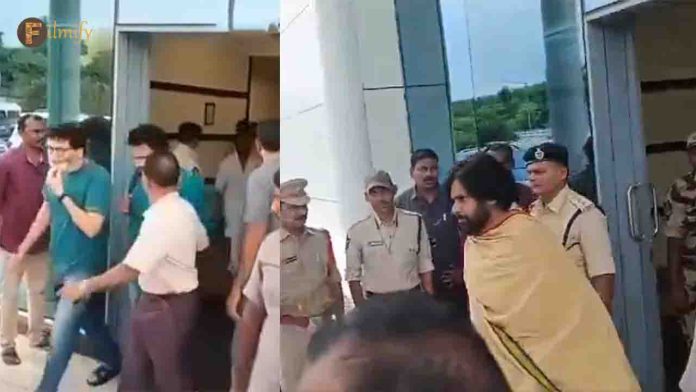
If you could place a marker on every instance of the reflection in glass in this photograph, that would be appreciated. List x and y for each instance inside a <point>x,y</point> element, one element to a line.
<point>516,73</point>
<point>506,96</point>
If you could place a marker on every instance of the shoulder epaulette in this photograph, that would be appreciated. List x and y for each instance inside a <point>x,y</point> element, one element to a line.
<point>317,230</point>
<point>359,222</point>
<point>580,202</point>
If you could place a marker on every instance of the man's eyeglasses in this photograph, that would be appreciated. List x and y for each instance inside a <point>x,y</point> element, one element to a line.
<point>57,150</point>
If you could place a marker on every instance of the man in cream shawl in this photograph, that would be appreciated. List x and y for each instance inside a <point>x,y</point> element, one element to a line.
<point>539,316</point>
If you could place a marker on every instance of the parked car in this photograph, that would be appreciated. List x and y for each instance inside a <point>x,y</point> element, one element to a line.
<point>519,171</point>
<point>14,140</point>
<point>9,114</point>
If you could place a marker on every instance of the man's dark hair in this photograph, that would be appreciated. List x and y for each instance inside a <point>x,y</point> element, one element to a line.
<point>505,149</point>
<point>71,132</point>
<point>97,126</point>
<point>98,131</point>
<point>150,135</point>
<point>162,168</point>
<point>276,179</point>
<point>22,122</point>
<point>268,134</point>
<point>410,342</point>
<point>423,153</point>
<point>189,132</point>
<point>245,125</point>
<point>245,134</point>
<point>485,180</point>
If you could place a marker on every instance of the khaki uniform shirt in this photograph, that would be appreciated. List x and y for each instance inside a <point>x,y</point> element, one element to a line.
<point>387,258</point>
<point>263,289</point>
<point>307,268</point>
<point>582,229</point>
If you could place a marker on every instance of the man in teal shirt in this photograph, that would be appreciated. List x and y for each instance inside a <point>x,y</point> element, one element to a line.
<point>144,140</point>
<point>76,207</point>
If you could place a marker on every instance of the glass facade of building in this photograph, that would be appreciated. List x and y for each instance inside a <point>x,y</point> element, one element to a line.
<point>517,74</point>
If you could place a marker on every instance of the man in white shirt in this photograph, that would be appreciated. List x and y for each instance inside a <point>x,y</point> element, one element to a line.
<point>163,260</point>
<point>231,182</point>
<point>185,151</point>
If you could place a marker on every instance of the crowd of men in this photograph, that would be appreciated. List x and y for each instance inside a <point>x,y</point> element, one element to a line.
<point>480,281</point>
<point>530,266</point>
<point>523,247</point>
<point>55,202</point>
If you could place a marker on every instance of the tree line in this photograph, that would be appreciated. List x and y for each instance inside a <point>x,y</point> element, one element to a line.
<point>498,117</point>
<point>24,77</point>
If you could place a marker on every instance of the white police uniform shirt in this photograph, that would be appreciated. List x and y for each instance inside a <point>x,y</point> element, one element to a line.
<point>388,257</point>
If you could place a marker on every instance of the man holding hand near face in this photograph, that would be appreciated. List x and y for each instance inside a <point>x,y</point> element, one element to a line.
<point>76,208</point>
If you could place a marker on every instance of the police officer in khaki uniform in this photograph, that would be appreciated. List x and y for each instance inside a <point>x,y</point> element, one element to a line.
<point>577,222</point>
<point>310,290</point>
<point>389,251</point>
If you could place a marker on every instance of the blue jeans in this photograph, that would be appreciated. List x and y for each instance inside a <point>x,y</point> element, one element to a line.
<point>69,319</point>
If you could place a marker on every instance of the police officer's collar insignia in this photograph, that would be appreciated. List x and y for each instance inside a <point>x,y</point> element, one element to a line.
<point>539,154</point>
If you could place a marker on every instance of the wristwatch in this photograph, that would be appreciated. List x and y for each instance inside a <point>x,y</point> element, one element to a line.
<point>63,196</point>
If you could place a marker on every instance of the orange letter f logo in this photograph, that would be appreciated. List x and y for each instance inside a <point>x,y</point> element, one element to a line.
<point>32,29</point>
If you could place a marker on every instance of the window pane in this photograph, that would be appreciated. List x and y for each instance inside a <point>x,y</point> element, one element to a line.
<point>516,75</point>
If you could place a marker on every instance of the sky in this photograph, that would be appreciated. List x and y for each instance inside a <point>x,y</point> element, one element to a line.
<point>100,13</point>
<point>506,35</point>
<point>506,40</point>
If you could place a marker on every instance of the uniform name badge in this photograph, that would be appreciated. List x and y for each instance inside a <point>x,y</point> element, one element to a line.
<point>373,244</point>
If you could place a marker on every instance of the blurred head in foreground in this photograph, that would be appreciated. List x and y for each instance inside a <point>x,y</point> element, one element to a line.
<point>405,342</point>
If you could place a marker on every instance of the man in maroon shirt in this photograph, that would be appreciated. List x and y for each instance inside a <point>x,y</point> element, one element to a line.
<point>22,173</point>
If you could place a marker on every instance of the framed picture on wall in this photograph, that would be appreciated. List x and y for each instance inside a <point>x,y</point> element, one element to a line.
<point>209,114</point>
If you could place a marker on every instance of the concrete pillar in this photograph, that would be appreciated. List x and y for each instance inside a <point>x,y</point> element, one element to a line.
<point>565,78</point>
<point>425,78</point>
<point>63,63</point>
<point>345,103</point>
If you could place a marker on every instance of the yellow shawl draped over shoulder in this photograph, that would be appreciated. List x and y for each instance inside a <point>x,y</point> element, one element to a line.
<point>540,317</point>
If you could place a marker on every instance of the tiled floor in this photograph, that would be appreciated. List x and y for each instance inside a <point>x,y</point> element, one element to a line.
<point>26,376</point>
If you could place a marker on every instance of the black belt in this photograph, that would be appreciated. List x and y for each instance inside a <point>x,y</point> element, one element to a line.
<point>373,294</point>
<point>169,296</point>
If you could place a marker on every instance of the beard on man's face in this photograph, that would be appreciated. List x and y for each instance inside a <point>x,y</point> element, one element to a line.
<point>475,223</point>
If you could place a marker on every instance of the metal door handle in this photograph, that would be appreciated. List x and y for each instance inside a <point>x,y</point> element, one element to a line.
<point>631,219</point>
<point>656,215</point>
